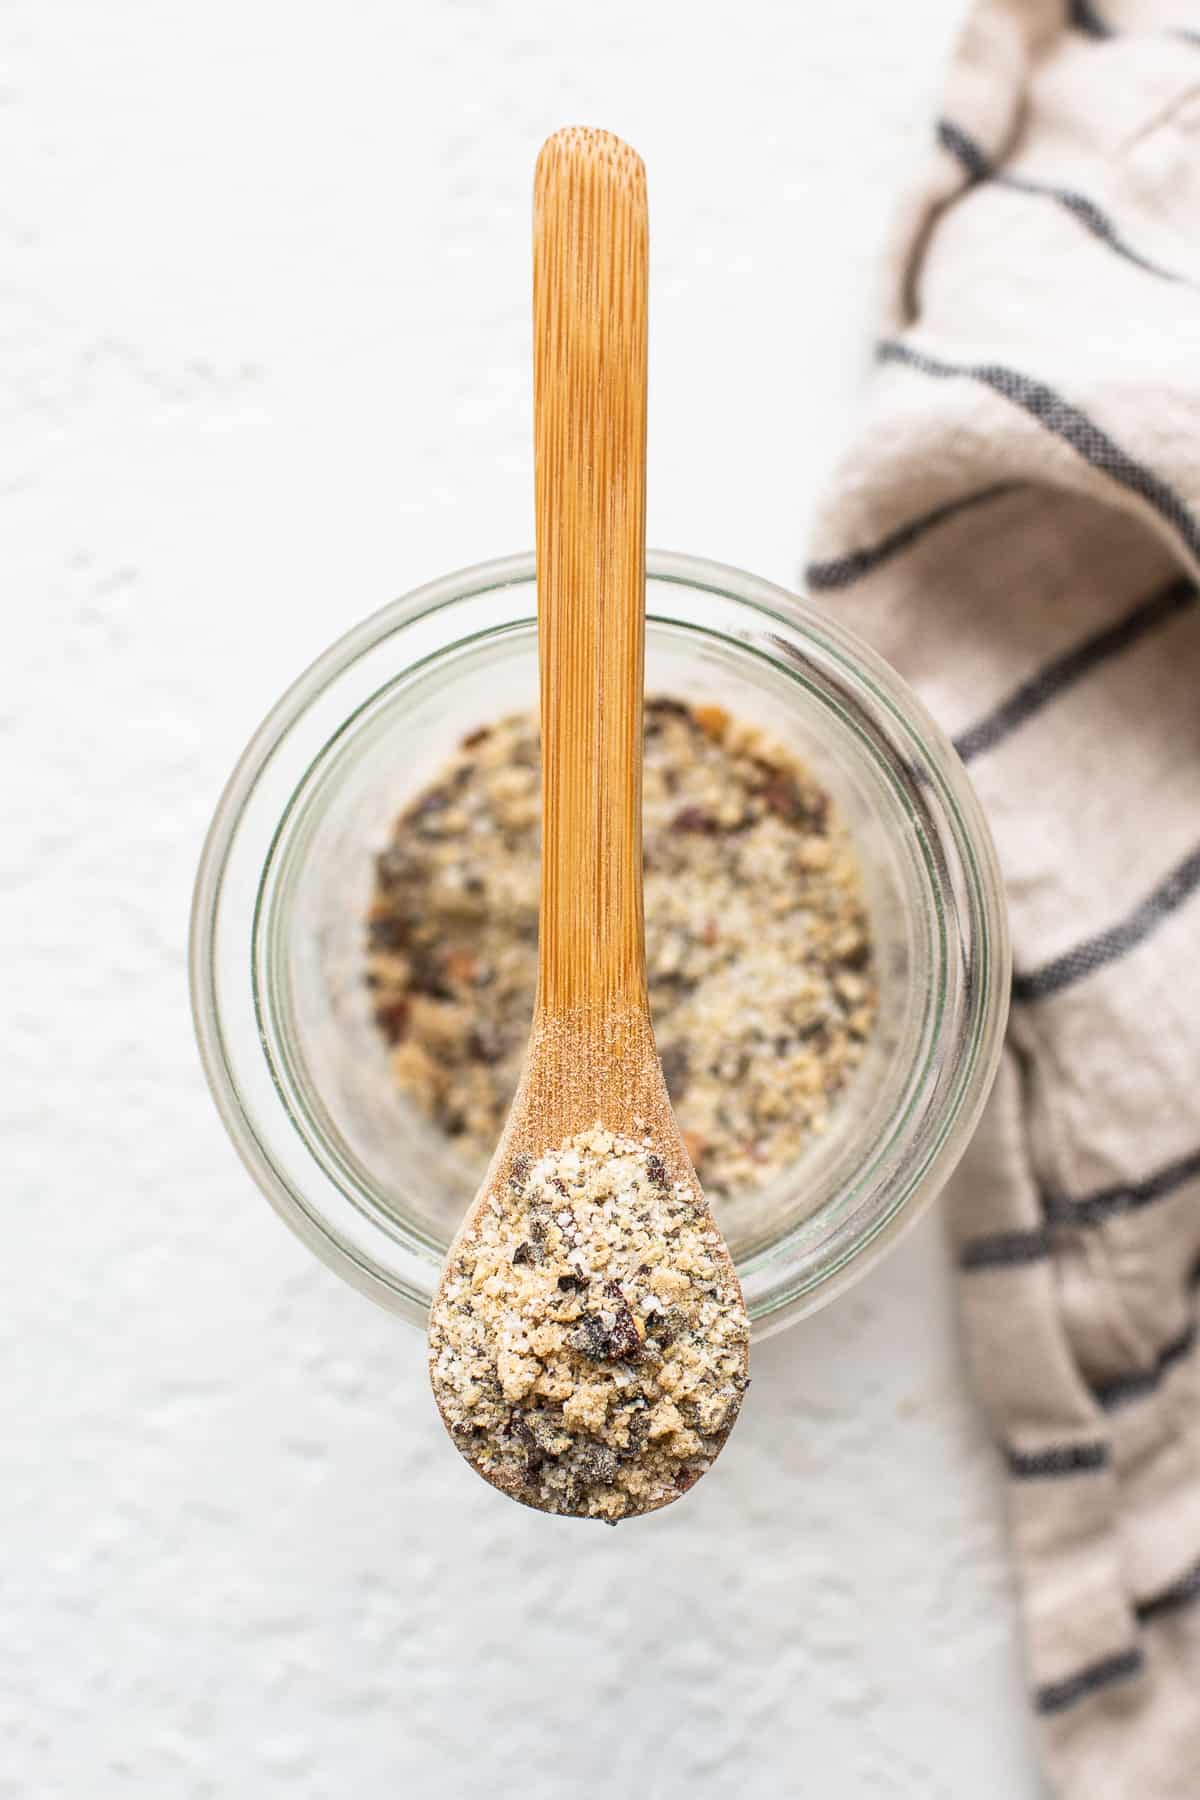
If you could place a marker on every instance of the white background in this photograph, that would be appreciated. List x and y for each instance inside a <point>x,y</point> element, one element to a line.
<point>265,330</point>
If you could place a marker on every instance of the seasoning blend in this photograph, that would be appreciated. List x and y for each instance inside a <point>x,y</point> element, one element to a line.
<point>584,1345</point>
<point>588,1339</point>
<point>763,988</point>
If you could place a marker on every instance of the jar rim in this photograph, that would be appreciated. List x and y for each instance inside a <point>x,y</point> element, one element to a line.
<point>225,1046</point>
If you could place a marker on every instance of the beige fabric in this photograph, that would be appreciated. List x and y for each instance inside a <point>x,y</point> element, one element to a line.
<point>1018,529</point>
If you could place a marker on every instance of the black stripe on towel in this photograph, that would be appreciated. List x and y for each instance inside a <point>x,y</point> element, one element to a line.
<point>1013,1249</point>
<point>1059,1459</point>
<point>973,159</point>
<point>1040,689</point>
<point>1170,1599</point>
<point>1057,1696</point>
<point>841,571</point>
<point>1109,946</point>
<point>1129,1196</point>
<point>1005,1249</point>
<point>964,149</point>
<point>1084,17</point>
<point>1118,1392</point>
<point>1065,421</point>
<point>1094,221</point>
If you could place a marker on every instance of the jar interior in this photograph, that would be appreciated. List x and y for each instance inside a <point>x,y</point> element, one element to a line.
<point>329,1059</point>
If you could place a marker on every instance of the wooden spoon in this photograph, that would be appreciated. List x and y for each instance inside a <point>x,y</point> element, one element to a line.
<point>588,1339</point>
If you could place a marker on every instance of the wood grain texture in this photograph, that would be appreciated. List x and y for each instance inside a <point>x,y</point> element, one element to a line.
<point>590,252</point>
<point>592,1055</point>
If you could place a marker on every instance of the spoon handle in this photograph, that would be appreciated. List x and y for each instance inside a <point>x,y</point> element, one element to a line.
<point>589,358</point>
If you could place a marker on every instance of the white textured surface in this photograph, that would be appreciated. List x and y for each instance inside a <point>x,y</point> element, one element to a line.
<point>265,352</point>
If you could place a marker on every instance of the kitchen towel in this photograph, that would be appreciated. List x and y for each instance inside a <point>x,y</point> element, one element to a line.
<point>1017,527</point>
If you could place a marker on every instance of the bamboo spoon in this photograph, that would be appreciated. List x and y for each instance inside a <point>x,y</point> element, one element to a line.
<point>592,1380</point>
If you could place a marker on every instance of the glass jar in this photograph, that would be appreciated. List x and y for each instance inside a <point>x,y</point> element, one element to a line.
<point>296,1065</point>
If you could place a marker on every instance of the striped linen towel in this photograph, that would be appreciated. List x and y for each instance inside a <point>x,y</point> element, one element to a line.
<point>1017,528</point>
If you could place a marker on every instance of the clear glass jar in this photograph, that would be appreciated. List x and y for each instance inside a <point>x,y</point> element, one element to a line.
<point>300,1073</point>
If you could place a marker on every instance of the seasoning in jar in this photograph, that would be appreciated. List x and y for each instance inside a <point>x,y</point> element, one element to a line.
<point>761,970</point>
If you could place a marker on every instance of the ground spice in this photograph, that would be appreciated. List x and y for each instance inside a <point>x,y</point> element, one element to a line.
<point>589,1348</point>
<point>762,983</point>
